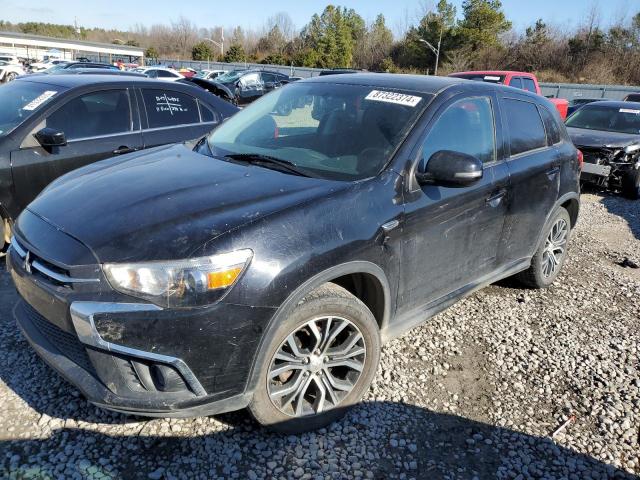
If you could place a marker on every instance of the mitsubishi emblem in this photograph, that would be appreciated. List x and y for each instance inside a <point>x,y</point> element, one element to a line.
<point>27,264</point>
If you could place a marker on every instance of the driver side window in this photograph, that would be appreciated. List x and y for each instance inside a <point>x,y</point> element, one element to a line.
<point>466,126</point>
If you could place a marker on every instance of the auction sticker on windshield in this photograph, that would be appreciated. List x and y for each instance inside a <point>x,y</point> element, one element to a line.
<point>36,102</point>
<point>393,97</point>
<point>630,110</point>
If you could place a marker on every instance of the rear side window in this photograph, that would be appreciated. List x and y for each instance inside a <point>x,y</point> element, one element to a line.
<point>165,74</point>
<point>206,113</point>
<point>467,126</point>
<point>526,130</point>
<point>551,125</point>
<point>516,83</point>
<point>529,85</point>
<point>166,108</point>
<point>94,114</point>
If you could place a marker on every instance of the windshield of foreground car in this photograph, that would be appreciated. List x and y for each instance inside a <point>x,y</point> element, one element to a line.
<point>20,99</point>
<point>325,130</point>
<point>607,118</point>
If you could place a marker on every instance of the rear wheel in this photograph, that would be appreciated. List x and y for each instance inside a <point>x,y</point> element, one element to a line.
<point>320,361</point>
<point>551,254</point>
<point>631,183</point>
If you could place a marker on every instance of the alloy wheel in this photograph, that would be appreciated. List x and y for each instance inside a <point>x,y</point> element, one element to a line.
<point>316,366</point>
<point>554,249</point>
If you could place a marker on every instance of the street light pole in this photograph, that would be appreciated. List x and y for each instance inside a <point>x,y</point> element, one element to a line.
<point>435,50</point>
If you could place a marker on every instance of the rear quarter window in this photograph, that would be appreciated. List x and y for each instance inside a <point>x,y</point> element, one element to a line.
<point>551,125</point>
<point>166,108</point>
<point>526,130</point>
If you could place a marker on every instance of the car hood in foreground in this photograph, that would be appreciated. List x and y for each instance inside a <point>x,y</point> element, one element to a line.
<point>583,137</point>
<point>164,203</point>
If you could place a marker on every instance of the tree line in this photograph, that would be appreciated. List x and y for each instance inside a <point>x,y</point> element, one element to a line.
<point>479,36</point>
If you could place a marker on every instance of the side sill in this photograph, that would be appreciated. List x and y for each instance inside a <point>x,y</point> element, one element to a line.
<point>402,324</point>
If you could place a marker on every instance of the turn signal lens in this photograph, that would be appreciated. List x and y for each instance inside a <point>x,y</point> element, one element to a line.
<point>224,279</point>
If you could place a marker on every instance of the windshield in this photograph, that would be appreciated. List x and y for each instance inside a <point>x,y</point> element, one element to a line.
<point>56,68</point>
<point>482,77</point>
<point>230,76</point>
<point>607,118</point>
<point>340,132</point>
<point>20,99</point>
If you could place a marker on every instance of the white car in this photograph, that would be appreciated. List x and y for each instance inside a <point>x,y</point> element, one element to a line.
<point>40,66</point>
<point>9,58</point>
<point>9,71</point>
<point>161,73</point>
<point>210,74</point>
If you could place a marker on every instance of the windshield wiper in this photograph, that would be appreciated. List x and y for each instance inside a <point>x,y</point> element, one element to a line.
<point>267,161</point>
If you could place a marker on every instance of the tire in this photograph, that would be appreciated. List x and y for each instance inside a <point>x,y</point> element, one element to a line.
<point>544,269</point>
<point>631,183</point>
<point>302,408</point>
<point>10,77</point>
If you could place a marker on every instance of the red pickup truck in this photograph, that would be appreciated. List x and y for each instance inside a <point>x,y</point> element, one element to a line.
<point>521,80</point>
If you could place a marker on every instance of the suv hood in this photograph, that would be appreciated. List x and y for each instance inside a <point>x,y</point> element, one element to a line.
<point>583,137</point>
<point>164,203</point>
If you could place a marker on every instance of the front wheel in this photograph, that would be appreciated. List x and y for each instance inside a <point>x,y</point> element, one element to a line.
<point>631,183</point>
<point>320,361</point>
<point>551,254</point>
<point>10,77</point>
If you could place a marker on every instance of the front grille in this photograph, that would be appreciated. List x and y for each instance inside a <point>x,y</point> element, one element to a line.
<point>46,270</point>
<point>67,343</point>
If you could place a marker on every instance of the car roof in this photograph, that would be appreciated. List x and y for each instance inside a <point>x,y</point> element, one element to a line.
<point>494,72</point>
<point>615,104</point>
<point>418,83</point>
<point>73,81</point>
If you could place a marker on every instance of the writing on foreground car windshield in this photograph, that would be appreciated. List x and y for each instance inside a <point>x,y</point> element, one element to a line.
<point>607,118</point>
<point>332,131</point>
<point>20,99</point>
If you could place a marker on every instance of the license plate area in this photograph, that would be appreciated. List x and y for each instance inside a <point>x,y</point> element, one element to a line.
<point>595,169</point>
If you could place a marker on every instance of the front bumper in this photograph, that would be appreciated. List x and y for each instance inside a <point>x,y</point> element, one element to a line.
<point>129,356</point>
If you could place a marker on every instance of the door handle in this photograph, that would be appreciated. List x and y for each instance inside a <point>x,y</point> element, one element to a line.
<point>123,149</point>
<point>495,199</point>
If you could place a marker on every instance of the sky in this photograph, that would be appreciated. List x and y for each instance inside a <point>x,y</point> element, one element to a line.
<point>122,14</point>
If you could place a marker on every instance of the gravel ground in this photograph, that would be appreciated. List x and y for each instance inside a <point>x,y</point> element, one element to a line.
<point>474,394</point>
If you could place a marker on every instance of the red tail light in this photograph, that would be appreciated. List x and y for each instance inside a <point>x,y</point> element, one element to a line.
<point>580,159</point>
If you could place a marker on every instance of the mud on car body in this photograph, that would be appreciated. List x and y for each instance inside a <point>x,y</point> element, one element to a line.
<point>266,267</point>
<point>608,134</point>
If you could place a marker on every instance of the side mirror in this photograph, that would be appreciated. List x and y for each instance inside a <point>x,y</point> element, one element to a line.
<point>449,168</point>
<point>50,137</point>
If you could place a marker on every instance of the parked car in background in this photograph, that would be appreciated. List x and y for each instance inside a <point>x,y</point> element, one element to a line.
<point>187,72</point>
<point>161,73</point>
<point>67,66</point>
<point>94,71</point>
<point>210,74</point>
<point>40,66</point>
<point>632,97</point>
<point>608,134</point>
<point>10,71</point>
<point>249,85</point>
<point>266,267</point>
<point>9,59</point>
<point>52,124</point>
<point>210,86</point>
<point>577,103</point>
<point>337,71</point>
<point>520,80</point>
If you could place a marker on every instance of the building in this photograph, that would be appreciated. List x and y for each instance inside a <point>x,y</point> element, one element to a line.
<point>37,47</point>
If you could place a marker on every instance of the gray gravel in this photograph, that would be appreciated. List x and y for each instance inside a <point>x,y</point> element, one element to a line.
<point>474,394</point>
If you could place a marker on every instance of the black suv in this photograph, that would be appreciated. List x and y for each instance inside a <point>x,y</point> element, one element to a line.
<point>266,267</point>
<point>52,124</point>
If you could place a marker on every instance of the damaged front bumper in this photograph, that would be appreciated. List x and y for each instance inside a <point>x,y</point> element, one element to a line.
<point>606,166</point>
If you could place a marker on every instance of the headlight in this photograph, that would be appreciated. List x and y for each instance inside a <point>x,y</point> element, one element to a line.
<point>631,149</point>
<point>180,283</point>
